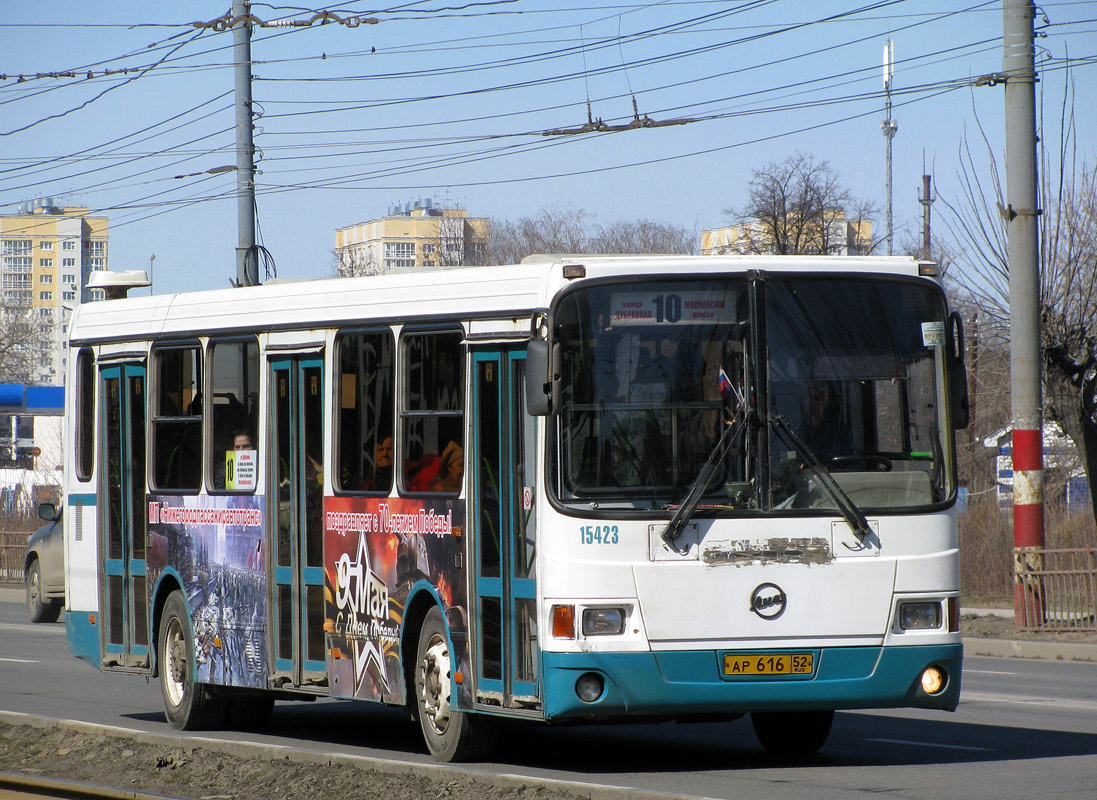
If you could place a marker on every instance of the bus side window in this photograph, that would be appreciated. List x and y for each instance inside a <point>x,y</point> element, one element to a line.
<point>85,414</point>
<point>364,427</point>
<point>177,418</point>
<point>433,415</point>
<point>234,378</point>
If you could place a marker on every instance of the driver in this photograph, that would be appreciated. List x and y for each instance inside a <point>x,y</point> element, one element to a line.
<point>821,425</point>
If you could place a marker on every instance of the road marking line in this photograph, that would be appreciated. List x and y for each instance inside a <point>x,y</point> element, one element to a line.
<point>20,661</point>
<point>1051,703</point>
<point>932,744</point>
<point>988,672</point>
<point>46,630</point>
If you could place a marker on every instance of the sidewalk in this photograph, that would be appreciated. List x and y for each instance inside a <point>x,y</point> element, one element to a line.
<point>1024,648</point>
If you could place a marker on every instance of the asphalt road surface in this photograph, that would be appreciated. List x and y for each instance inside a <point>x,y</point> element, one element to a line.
<point>1025,728</point>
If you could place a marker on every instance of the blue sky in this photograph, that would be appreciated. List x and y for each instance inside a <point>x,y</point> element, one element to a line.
<point>448,99</point>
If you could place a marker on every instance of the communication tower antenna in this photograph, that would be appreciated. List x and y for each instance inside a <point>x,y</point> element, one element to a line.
<point>890,127</point>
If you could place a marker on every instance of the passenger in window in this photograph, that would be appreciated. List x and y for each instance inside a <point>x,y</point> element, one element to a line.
<point>224,476</point>
<point>439,472</point>
<point>381,480</point>
<point>451,468</point>
<point>448,391</point>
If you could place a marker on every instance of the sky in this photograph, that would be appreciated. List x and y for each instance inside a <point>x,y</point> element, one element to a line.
<point>451,99</point>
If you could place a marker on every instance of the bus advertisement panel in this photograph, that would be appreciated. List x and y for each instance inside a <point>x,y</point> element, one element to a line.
<point>377,552</point>
<point>214,545</point>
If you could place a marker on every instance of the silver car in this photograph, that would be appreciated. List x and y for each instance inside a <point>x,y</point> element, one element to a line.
<point>44,568</point>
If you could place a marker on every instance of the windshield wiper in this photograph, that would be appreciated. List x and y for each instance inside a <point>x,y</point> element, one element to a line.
<point>853,515</point>
<point>688,508</point>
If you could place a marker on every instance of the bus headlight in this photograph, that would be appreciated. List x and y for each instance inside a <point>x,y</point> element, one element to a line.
<point>603,621</point>
<point>920,616</point>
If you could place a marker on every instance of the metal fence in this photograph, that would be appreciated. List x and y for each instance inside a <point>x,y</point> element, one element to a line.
<point>13,549</point>
<point>1056,589</point>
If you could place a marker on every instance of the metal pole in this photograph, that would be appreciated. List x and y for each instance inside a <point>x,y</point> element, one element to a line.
<point>1022,213</point>
<point>247,263</point>
<point>890,127</point>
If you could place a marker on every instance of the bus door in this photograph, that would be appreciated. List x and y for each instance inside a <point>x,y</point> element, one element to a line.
<point>124,600</point>
<point>503,546</point>
<point>297,469</point>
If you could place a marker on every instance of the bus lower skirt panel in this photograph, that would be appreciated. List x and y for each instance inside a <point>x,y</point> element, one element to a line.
<point>684,683</point>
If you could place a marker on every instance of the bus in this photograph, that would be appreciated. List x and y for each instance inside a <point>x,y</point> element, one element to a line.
<point>581,488</point>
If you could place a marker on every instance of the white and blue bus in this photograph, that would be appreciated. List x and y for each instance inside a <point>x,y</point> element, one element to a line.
<point>575,489</point>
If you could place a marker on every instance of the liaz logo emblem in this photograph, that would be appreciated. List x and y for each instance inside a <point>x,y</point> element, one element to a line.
<point>768,601</point>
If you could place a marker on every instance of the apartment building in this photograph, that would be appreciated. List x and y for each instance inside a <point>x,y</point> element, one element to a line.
<point>47,253</point>
<point>835,236</point>
<point>417,234</point>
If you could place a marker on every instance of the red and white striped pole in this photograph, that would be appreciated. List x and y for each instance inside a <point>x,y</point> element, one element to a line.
<point>1028,527</point>
<point>1022,215</point>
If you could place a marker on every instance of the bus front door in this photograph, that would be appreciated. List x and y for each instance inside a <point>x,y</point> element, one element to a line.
<point>296,470</point>
<point>124,597</point>
<point>501,506</point>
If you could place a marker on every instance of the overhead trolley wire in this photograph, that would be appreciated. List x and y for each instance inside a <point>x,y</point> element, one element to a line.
<point>88,102</point>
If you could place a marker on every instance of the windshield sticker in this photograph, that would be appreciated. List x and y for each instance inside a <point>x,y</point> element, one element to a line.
<point>933,334</point>
<point>671,308</point>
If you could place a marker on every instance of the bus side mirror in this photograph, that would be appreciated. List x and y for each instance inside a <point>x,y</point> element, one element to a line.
<point>957,372</point>
<point>538,380</point>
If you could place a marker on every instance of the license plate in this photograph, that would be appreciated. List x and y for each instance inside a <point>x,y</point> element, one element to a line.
<point>769,664</point>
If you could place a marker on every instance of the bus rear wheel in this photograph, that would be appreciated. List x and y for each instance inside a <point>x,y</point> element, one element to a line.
<point>450,735</point>
<point>792,733</point>
<point>189,706</point>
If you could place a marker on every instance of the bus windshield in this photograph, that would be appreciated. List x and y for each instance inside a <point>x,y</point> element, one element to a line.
<point>856,368</point>
<point>654,373</point>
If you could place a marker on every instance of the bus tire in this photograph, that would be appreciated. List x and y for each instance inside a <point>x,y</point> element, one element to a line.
<point>450,735</point>
<point>189,706</point>
<point>39,608</point>
<point>792,733</point>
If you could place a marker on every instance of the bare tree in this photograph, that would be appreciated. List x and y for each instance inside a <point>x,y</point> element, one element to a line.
<point>554,230</point>
<point>557,230</point>
<point>1068,253</point>
<point>456,242</point>
<point>24,339</point>
<point>352,262</point>
<point>643,236</point>
<point>799,206</point>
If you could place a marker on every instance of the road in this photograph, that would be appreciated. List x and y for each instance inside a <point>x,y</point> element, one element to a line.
<point>1024,728</point>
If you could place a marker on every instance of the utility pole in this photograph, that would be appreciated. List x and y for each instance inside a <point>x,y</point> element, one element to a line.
<point>1022,216</point>
<point>926,199</point>
<point>247,261</point>
<point>890,128</point>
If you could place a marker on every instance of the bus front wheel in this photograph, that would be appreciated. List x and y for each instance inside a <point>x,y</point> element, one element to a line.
<point>792,733</point>
<point>450,735</point>
<point>189,706</point>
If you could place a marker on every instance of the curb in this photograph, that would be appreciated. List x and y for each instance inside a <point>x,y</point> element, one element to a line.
<point>438,773</point>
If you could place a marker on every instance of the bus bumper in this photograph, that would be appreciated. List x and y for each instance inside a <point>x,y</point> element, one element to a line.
<point>684,683</point>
